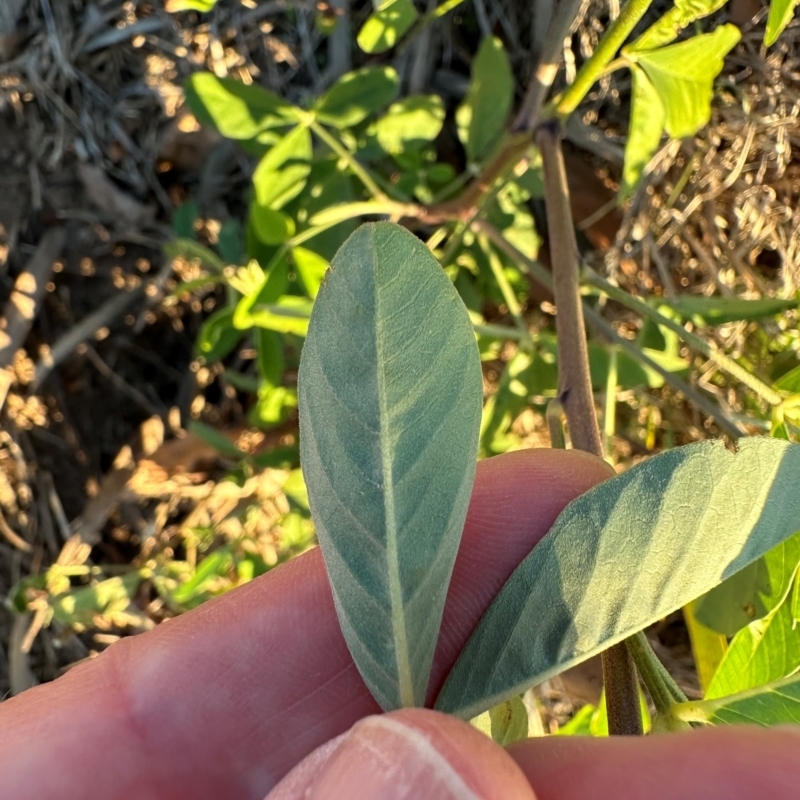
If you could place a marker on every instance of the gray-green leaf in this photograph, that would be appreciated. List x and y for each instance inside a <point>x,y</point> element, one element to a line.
<point>683,75</point>
<point>625,554</point>
<point>390,394</point>
<point>482,116</point>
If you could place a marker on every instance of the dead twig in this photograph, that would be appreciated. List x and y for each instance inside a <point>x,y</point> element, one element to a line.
<point>86,328</point>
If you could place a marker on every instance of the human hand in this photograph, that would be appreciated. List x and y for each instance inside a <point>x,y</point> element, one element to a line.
<point>224,701</point>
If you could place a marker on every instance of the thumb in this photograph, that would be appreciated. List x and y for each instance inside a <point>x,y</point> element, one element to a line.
<point>413,753</point>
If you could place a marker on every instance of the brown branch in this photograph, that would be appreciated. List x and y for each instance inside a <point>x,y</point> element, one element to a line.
<point>575,392</point>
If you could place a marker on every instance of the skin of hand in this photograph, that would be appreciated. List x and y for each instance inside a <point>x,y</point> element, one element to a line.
<point>224,701</point>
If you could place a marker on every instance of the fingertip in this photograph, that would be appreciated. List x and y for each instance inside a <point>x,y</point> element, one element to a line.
<point>725,763</point>
<point>413,753</point>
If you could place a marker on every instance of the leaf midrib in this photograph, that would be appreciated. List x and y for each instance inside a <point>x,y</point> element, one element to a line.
<point>405,682</point>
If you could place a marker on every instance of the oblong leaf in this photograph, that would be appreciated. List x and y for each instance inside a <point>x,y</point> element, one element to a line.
<point>281,175</point>
<point>234,109</point>
<point>390,401</point>
<point>780,15</point>
<point>644,132</point>
<point>386,26</point>
<point>356,95</point>
<point>703,311</point>
<point>625,554</point>
<point>482,116</point>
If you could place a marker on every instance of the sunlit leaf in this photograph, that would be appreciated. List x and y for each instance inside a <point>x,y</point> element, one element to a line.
<point>204,6</point>
<point>356,96</point>
<point>683,76</point>
<point>410,123</point>
<point>625,554</point>
<point>281,175</point>
<point>506,723</point>
<point>790,382</point>
<point>644,133</point>
<point>764,651</point>
<point>776,703</point>
<point>386,26</point>
<point>670,24</point>
<point>481,118</point>
<point>708,646</point>
<point>390,394</point>
<point>780,15</point>
<point>311,269</point>
<point>290,314</point>
<point>236,110</point>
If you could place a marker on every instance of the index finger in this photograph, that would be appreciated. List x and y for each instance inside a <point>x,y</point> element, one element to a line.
<point>223,701</point>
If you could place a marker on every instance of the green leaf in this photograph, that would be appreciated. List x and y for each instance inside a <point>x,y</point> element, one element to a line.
<point>271,226</point>
<point>506,723</point>
<point>481,118</point>
<point>281,175</point>
<point>386,26</point>
<point>644,132</point>
<point>216,439</point>
<point>217,336</point>
<point>356,96</point>
<point>311,269</point>
<point>736,602</point>
<point>203,6</point>
<point>236,110</point>
<point>289,315</point>
<point>411,123</point>
<point>777,703</point>
<point>764,651</point>
<point>680,16</point>
<point>624,555</point>
<point>708,646</point>
<point>683,75</point>
<point>790,382</point>
<point>390,393</point>
<point>704,311</point>
<point>112,596</point>
<point>780,15</point>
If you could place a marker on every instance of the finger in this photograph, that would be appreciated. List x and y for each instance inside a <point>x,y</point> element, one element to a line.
<point>407,755</point>
<point>736,763</point>
<point>224,700</point>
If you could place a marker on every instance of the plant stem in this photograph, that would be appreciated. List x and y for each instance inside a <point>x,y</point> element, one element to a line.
<point>512,303</point>
<point>663,689</point>
<point>360,172</point>
<point>538,273</point>
<point>723,361</point>
<point>575,393</point>
<point>610,410</point>
<point>612,40</point>
<point>561,24</point>
<point>554,416</point>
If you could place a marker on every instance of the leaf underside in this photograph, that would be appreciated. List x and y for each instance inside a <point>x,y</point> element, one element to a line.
<point>625,554</point>
<point>390,393</point>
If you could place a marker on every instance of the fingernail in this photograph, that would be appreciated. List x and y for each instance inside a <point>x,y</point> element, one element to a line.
<point>382,758</point>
